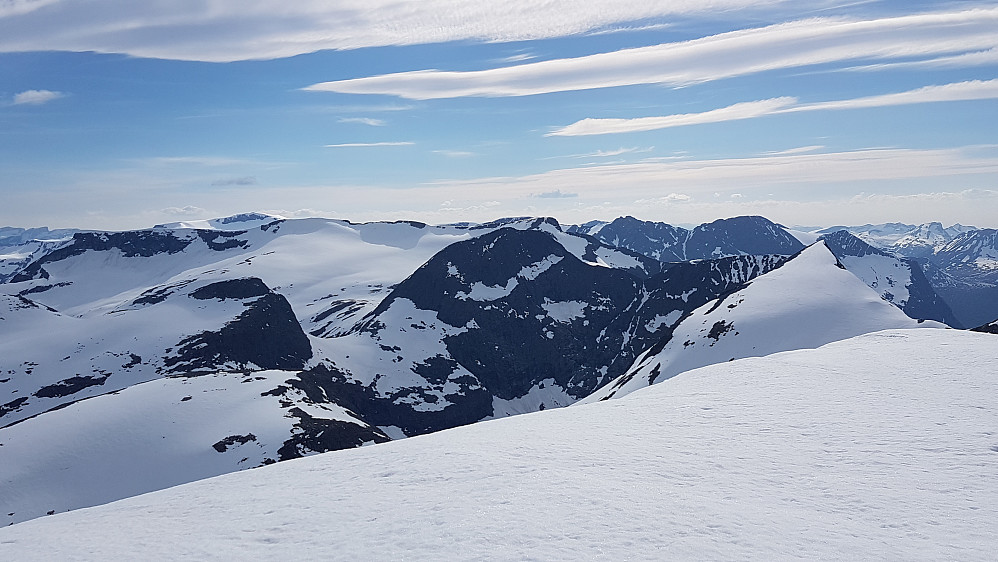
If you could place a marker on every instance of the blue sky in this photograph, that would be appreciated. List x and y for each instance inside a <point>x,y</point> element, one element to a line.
<point>118,114</point>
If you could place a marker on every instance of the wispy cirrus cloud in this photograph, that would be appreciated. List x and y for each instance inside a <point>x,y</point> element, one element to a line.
<point>745,110</point>
<point>976,58</point>
<point>185,211</point>
<point>957,91</point>
<point>237,181</point>
<point>363,121</point>
<point>369,144</point>
<point>645,179</point>
<point>520,57</point>
<point>456,153</point>
<point>36,97</point>
<point>604,153</point>
<point>229,30</point>
<point>737,53</point>
<point>797,150</point>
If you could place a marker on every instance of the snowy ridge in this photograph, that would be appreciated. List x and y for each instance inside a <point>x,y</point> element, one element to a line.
<point>878,446</point>
<point>242,221</point>
<point>899,281</point>
<point>909,240</point>
<point>960,263</point>
<point>511,319</point>
<point>771,314</point>
<point>275,339</point>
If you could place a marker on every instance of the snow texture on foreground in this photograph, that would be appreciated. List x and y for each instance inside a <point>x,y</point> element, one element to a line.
<point>882,446</point>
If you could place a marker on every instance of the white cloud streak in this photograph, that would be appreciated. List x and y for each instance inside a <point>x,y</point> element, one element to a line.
<point>976,58</point>
<point>746,110</point>
<point>646,179</point>
<point>957,91</point>
<point>369,144</point>
<point>738,53</point>
<point>363,121</point>
<point>228,30</point>
<point>455,153</point>
<point>36,97</point>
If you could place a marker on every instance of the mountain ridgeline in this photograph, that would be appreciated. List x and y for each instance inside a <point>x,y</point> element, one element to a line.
<point>253,339</point>
<point>725,237</point>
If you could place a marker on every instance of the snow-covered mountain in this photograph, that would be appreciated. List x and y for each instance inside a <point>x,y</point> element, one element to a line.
<point>879,446</point>
<point>20,246</point>
<point>907,240</point>
<point>960,262</point>
<point>241,221</point>
<point>899,281</point>
<point>725,237</point>
<point>254,339</point>
<point>773,313</point>
<point>514,321</point>
<point>346,334</point>
<point>965,273</point>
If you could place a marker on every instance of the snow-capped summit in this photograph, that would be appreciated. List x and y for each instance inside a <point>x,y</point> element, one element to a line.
<point>914,241</point>
<point>899,281</point>
<point>240,221</point>
<point>808,302</point>
<point>965,273</point>
<point>747,235</point>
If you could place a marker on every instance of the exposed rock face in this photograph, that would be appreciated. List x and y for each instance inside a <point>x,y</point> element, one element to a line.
<point>513,317</point>
<point>264,336</point>
<point>726,237</point>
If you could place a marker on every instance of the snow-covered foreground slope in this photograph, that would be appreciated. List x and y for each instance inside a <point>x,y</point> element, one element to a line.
<point>878,447</point>
<point>162,433</point>
<point>808,302</point>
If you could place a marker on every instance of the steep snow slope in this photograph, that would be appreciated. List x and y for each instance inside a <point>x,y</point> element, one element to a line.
<point>50,359</point>
<point>900,281</point>
<point>162,433</point>
<point>808,302</point>
<point>878,447</point>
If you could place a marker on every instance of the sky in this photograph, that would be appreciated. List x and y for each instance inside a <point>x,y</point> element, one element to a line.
<point>117,114</point>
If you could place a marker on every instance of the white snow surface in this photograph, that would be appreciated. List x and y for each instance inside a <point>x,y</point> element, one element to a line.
<point>882,446</point>
<point>806,303</point>
<point>564,311</point>
<point>544,395</point>
<point>887,275</point>
<point>146,437</point>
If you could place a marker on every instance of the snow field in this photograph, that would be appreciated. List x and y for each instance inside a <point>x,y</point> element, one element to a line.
<point>877,447</point>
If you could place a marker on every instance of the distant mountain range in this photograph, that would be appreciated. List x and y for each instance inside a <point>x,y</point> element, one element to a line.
<point>194,349</point>
<point>960,262</point>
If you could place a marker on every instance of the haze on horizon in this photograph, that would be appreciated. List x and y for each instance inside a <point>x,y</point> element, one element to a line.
<point>118,115</point>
